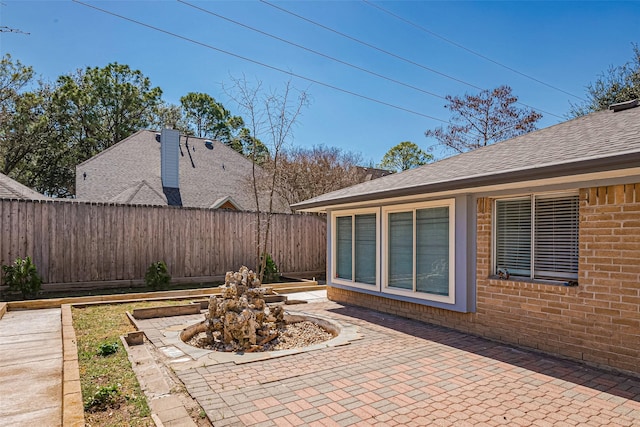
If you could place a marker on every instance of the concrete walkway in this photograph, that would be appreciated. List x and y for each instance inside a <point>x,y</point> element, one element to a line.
<point>404,373</point>
<point>31,368</point>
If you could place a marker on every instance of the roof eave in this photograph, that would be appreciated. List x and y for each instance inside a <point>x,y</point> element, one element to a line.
<point>617,162</point>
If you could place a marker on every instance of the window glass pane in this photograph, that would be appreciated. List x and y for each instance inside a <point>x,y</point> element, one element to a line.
<point>400,249</point>
<point>366,249</point>
<point>556,238</point>
<point>343,248</point>
<point>513,236</point>
<point>432,251</point>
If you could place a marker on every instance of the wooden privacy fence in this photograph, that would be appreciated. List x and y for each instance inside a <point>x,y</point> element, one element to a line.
<point>85,242</point>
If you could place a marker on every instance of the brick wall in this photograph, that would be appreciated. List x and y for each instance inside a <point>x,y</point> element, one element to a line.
<point>597,322</point>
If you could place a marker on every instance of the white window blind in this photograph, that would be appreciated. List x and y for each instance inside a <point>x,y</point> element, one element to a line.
<point>537,236</point>
<point>556,237</point>
<point>513,236</point>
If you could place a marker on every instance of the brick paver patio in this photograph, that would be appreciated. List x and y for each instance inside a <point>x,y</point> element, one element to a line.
<point>404,372</point>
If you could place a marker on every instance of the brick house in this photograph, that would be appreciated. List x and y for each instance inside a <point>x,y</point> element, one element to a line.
<point>534,241</point>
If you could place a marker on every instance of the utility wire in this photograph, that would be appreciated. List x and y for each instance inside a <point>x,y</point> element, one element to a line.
<point>458,45</point>
<point>323,55</point>
<point>348,64</point>
<point>208,46</point>
<point>5,29</point>
<point>386,52</point>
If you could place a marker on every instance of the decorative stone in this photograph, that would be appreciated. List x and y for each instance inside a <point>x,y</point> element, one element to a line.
<point>240,318</point>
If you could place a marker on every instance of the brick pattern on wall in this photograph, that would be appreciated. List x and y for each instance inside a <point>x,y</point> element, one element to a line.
<point>597,322</point>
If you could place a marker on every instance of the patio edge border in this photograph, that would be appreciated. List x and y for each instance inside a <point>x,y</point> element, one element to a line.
<point>72,407</point>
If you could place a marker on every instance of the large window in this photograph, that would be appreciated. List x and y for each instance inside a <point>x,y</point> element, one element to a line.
<point>356,247</point>
<point>537,236</point>
<point>419,248</point>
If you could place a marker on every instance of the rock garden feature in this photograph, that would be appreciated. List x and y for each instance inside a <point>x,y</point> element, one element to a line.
<point>241,320</point>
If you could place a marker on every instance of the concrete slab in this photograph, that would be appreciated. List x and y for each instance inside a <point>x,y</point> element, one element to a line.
<point>171,352</point>
<point>33,417</point>
<point>26,352</point>
<point>31,364</point>
<point>309,296</point>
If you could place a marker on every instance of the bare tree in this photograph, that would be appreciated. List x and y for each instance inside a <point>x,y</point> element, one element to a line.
<point>270,117</point>
<point>480,120</point>
<point>306,173</point>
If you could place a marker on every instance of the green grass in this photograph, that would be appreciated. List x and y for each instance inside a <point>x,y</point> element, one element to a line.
<point>97,326</point>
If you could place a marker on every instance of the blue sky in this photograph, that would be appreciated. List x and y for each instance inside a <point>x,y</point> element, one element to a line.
<point>564,44</point>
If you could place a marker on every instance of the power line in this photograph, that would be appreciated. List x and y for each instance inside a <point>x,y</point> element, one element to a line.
<point>458,45</point>
<point>208,46</point>
<point>313,51</point>
<point>322,55</point>
<point>5,29</point>
<point>386,52</point>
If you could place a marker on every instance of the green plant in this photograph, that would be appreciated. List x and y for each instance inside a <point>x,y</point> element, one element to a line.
<point>107,348</point>
<point>104,396</point>
<point>157,275</point>
<point>270,273</point>
<point>22,276</point>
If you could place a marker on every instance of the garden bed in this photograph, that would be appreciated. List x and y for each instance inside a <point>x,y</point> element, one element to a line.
<point>110,389</point>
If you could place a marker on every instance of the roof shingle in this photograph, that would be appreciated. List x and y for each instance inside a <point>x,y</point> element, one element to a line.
<point>12,189</point>
<point>592,140</point>
<point>129,172</point>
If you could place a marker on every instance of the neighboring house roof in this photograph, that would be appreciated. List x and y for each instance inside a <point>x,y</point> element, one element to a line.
<point>372,173</point>
<point>130,172</point>
<point>224,203</point>
<point>600,141</point>
<point>12,189</point>
<point>142,193</point>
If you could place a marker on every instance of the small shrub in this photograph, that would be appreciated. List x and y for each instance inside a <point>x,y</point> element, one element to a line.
<point>105,396</point>
<point>22,276</point>
<point>270,273</point>
<point>107,348</point>
<point>157,275</point>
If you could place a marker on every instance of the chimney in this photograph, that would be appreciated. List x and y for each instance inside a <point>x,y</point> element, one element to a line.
<point>621,106</point>
<point>169,149</point>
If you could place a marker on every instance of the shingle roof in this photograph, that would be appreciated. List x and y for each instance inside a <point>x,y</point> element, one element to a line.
<point>129,172</point>
<point>12,189</point>
<point>142,193</point>
<point>599,141</point>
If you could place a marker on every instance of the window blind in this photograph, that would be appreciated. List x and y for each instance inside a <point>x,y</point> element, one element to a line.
<point>513,236</point>
<point>400,259</point>
<point>432,251</point>
<point>344,251</point>
<point>365,248</point>
<point>556,237</point>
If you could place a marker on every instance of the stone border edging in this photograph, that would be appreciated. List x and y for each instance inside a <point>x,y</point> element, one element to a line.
<point>72,406</point>
<point>151,296</point>
<point>166,311</point>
